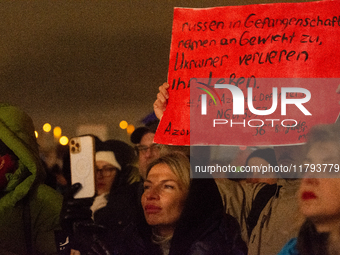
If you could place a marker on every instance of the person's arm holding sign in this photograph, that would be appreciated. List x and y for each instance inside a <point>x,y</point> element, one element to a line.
<point>159,105</point>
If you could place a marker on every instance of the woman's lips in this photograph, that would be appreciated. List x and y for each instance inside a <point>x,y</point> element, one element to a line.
<point>307,195</point>
<point>151,209</point>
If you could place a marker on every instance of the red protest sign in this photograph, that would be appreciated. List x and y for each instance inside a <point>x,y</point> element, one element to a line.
<point>245,43</point>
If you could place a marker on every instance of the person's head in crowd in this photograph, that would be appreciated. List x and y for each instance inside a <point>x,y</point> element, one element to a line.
<point>319,193</point>
<point>165,191</point>
<point>114,159</point>
<point>261,158</point>
<point>183,214</point>
<point>147,150</point>
<point>17,141</point>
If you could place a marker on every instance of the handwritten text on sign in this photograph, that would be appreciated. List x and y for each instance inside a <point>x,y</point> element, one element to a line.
<point>246,43</point>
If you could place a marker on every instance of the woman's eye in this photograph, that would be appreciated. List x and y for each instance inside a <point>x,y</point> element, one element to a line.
<point>168,186</point>
<point>146,187</point>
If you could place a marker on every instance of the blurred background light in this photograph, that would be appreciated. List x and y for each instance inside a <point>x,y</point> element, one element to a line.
<point>47,127</point>
<point>63,140</point>
<point>57,132</point>
<point>130,128</point>
<point>123,124</point>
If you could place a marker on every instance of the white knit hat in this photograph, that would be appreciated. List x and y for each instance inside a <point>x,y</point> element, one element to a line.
<point>109,157</point>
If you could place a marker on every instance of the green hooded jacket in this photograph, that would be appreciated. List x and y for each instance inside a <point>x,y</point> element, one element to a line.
<point>44,203</point>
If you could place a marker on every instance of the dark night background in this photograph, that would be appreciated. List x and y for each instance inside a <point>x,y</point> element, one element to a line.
<point>87,62</point>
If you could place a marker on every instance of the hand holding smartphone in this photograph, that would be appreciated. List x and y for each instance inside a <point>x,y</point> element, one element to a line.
<point>82,156</point>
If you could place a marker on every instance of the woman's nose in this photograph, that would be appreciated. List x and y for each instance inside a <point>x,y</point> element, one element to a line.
<point>152,193</point>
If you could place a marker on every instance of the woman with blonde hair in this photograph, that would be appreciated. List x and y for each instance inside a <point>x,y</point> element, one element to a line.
<point>180,215</point>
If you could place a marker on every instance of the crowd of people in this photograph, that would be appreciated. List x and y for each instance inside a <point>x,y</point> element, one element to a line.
<point>146,202</point>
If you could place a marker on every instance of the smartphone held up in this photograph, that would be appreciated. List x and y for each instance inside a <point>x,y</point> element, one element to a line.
<point>82,156</point>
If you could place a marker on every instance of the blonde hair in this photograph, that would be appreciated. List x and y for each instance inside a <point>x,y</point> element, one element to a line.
<point>178,163</point>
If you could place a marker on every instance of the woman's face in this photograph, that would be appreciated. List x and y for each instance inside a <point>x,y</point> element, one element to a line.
<point>105,176</point>
<point>163,198</point>
<point>319,198</point>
